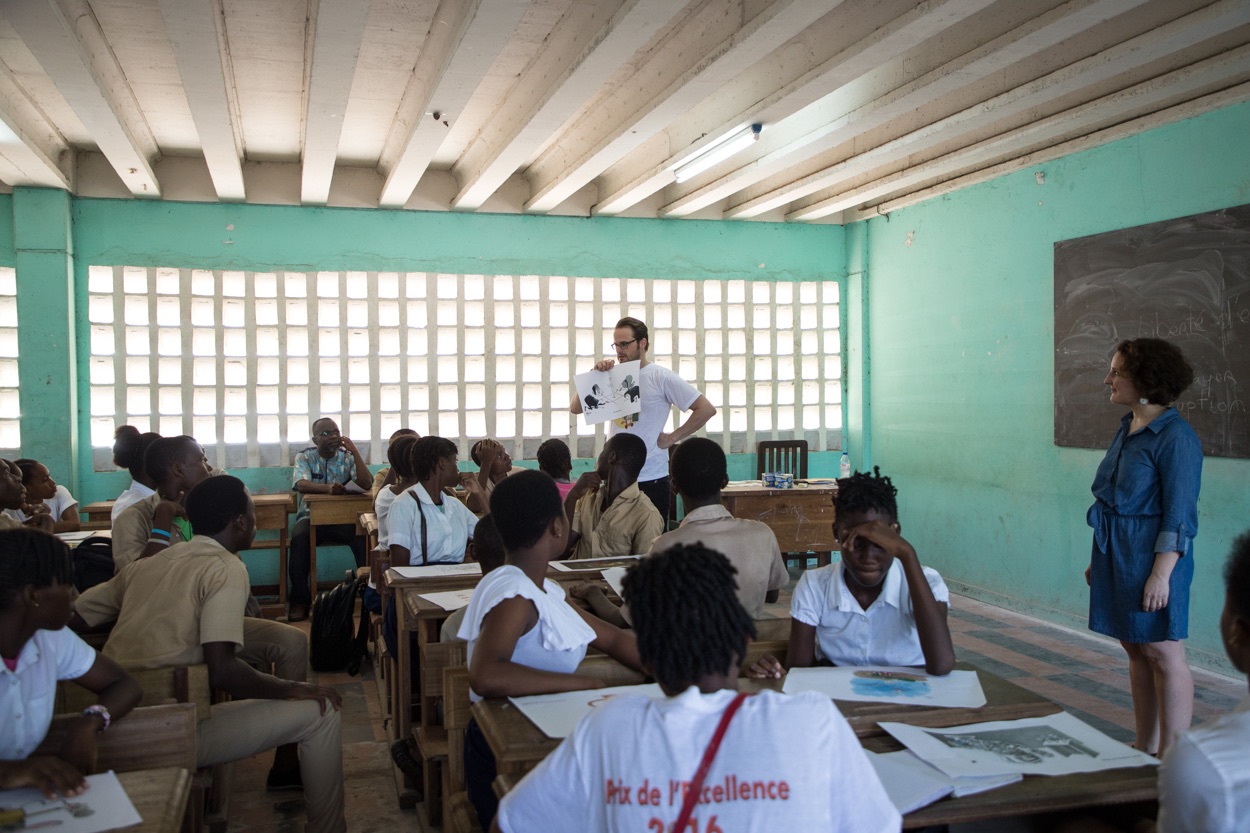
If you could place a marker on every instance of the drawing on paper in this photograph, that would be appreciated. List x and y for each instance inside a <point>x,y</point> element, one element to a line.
<point>1021,745</point>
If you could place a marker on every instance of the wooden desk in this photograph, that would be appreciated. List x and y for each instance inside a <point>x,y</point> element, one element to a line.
<point>519,745</point>
<point>160,796</point>
<point>328,510</point>
<point>801,518</point>
<point>271,515</point>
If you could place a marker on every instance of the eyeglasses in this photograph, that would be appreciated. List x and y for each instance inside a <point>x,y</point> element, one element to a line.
<point>621,345</point>
<point>329,434</point>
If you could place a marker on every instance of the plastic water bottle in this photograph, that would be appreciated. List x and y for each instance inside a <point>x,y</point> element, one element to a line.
<point>844,466</point>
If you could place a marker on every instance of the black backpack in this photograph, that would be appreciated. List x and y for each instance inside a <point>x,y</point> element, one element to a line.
<point>332,647</point>
<point>93,562</point>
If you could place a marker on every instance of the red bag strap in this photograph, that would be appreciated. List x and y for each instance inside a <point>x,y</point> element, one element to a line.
<point>709,754</point>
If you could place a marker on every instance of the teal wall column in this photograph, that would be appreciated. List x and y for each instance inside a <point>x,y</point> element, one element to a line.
<point>43,257</point>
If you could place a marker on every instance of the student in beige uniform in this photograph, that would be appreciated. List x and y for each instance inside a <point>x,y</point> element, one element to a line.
<point>610,515</point>
<point>184,606</point>
<point>176,465</point>
<point>699,472</point>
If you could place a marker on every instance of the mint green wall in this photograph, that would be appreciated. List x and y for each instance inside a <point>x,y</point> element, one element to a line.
<point>961,345</point>
<point>247,237</point>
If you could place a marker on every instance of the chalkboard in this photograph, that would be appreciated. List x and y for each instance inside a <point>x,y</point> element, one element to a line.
<point>1185,280</point>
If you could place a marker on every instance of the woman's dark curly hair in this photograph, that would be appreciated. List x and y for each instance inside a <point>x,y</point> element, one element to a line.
<point>686,614</point>
<point>864,492</point>
<point>425,454</point>
<point>399,455</point>
<point>1157,368</point>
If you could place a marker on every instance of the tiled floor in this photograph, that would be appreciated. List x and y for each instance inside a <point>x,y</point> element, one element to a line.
<point>1088,676</point>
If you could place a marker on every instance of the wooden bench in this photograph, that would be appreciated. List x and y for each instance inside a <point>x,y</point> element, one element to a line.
<point>457,711</point>
<point>431,737</point>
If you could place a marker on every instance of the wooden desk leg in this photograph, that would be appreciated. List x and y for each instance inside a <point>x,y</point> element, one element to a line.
<point>402,707</point>
<point>312,562</point>
<point>823,559</point>
<point>282,545</point>
<point>427,632</point>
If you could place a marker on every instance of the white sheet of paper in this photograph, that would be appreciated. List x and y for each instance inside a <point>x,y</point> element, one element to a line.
<point>471,568</point>
<point>613,576</point>
<point>1058,744</point>
<point>610,394</point>
<point>877,684</point>
<point>584,564</point>
<point>557,714</point>
<point>351,488</point>
<point>909,782</point>
<point>110,807</point>
<point>83,534</point>
<point>449,600</point>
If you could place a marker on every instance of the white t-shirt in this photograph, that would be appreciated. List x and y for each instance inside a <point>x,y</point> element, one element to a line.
<point>661,388</point>
<point>382,509</point>
<point>448,527</point>
<point>557,643</point>
<point>28,694</point>
<point>1204,781</point>
<point>787,762</point>
<point>129,498</point>
<point>57,505</point>
<point>846,634</point>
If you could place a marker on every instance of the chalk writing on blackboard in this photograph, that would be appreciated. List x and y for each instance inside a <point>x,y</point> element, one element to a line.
<point>1186,280</point>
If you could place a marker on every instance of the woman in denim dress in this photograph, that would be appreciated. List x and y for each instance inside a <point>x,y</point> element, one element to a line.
<point>1145,516</point>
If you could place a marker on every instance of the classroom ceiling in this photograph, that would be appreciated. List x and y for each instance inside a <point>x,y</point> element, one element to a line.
<point>587,107</point>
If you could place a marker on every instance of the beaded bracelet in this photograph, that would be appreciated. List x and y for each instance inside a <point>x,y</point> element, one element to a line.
<point>102,711</point>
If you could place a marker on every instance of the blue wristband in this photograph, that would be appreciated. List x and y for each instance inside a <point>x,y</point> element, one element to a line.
<point>161,532</point>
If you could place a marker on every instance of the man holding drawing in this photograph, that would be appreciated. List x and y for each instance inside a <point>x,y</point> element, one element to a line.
<point>660,389</point>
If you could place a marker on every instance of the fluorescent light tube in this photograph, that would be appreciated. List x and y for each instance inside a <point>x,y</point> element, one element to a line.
<point>733,143</point>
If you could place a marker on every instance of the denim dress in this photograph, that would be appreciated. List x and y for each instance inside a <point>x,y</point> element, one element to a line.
<point>1145,502</point>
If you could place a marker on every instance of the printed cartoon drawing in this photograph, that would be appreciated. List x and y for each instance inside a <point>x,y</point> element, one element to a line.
<point>595,399</point>
<point>630,389</point>
<point>1025,745</point>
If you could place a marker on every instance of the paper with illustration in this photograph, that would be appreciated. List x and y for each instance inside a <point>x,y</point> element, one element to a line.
<point>611,394</point>
<point>103,806</point>
<point>879,684</point>
<point>557,714</point>
<point>1058,744</point>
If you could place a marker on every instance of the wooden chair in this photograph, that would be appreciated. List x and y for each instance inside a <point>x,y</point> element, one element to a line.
<point>456,715</point>
<point>430,735</point>
<point>788,456</point>
<point>379,563</point>
<point>210,790</point>
<point>149,737</point>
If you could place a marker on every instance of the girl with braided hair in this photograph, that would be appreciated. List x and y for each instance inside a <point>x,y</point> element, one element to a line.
<point>783,763</point>
<point>878,605</point>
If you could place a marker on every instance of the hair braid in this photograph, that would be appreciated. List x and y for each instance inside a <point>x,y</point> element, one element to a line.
<point>863,492</point>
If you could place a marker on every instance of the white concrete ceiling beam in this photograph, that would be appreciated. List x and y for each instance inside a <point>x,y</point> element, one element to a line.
<point>1124,57</point>
<point>1230,68</point>
<point>860,108</point>
<point>708,50</point>
<point>32,151</point>
<point>194,28</point>
<point>340,29</point>
<point>66,40</point>
<point>464,40</point>
<point>590,44</point>
<point>887,42</point>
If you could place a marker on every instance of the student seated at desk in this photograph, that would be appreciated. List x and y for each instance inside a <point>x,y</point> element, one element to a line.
<point>185,607</point>
<point>1204,782</point>
<point>877,606</point>
<point>403,478</point>
<point>487,551</point>
<point>324,468</point>
<point>608,513</point>
<point>129,448</point>
<point>699,472</point>
<point>36,602</point>
<point>792,761</point>
<point>386,475</point>
<point>12,496</point>
<point>176,465</point>
<point>555,459</point>
<point>494,464</point>
<point>524,638</point>
<point>44,496</point>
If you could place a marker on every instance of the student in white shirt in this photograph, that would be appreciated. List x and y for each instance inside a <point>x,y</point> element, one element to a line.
<point>1204,782</point>
<point>877,606</point>
<point>44,496</point>
<point>129,448</point>
<point>399,455</point>
<point>785,762</point>
<point>36,601</point>
<point>524,637</point>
